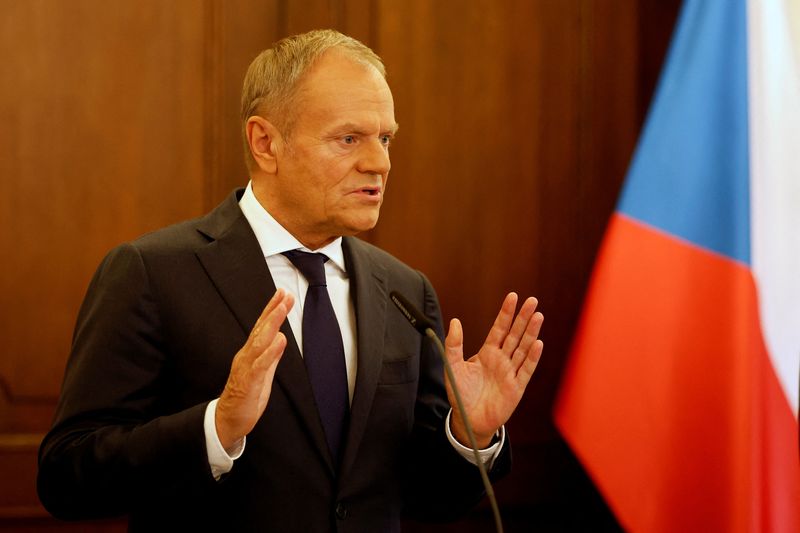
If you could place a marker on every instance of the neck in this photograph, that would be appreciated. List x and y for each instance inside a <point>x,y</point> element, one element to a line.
<point>312,241</point>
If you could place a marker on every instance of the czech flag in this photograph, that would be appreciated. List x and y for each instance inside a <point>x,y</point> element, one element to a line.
<point>680,395</point>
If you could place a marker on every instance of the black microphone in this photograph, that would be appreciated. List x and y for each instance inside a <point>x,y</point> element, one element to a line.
<point>424,325</point>
<point>420,322</point>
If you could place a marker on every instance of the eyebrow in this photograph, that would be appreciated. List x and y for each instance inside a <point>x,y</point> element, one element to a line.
<point>349,126</point>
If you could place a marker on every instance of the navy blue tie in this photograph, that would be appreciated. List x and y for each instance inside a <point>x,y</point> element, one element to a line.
<point>323,351</point>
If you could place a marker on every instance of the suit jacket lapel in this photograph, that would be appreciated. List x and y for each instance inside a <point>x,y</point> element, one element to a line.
<point>370,295</point>
<point>234,262</point>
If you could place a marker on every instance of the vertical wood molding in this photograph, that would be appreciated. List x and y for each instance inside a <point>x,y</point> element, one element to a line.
<point>213,106</point>
<point>358,20</point>
<point>337,10</point>
<point>236,31</point>
<point>282,18</point>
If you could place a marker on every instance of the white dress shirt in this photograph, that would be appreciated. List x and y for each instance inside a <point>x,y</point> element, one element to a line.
<point>274,239</point>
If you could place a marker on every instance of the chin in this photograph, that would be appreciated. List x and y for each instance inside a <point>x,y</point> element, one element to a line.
<point>359,226</point>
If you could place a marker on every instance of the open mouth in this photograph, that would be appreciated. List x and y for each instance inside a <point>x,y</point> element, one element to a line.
<point>371,191</point>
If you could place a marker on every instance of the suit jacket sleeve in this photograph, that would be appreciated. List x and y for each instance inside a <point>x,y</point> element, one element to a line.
<point>115,443</point>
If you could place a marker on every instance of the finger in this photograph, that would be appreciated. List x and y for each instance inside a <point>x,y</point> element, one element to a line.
<point>531,362</point>
<point>520,326</point>
<point>277,298</point>
<point>268,359</point>
<point>281,297</point>
<point>528,339</point>
<point>273,302</point>
<point>268,324</point>
<point>261,374</point>
<point>454,342</point>
<point>262,337</point>
<point>503,321</point>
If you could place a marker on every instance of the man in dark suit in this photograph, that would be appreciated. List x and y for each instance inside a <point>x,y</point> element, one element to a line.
<point>188,404</point>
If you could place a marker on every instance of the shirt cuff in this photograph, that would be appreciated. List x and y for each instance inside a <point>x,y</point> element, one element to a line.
<point>487,455</point>
<point>220,460</point>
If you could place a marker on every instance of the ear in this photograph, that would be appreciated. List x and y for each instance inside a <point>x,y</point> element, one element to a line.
<point>264,141</point>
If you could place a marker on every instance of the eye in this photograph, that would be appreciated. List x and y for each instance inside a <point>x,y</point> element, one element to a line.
<point>349,139</point>
<point>386,140</point>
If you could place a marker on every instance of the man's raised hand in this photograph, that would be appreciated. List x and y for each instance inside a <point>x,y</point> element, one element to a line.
<point>249,384</point>
<point>492,381</point>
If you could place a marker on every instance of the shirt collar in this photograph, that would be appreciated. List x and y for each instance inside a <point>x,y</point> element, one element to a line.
<point>275,239</point>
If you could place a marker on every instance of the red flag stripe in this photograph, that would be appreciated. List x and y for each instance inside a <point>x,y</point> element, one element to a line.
<point>670,399</point>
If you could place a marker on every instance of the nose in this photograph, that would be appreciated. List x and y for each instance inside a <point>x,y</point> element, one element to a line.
<point>374,158</point>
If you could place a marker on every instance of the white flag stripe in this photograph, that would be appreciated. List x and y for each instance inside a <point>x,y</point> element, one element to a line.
<point>774,114</point>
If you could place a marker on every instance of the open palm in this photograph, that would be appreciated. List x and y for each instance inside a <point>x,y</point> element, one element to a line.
<point>492,381</point>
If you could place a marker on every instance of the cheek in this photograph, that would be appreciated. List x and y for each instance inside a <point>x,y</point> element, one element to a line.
<point>339,178</point>
<point>312,183</point>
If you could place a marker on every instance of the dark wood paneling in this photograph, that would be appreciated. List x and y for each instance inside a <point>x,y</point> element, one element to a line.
<point>518,120</point>
<point>237,31</point>
<point>496,144</point>
<point>103,140</point>
<point>516,127</point>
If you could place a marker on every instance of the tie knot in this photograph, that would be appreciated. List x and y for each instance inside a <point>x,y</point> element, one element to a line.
<point>312,266</point>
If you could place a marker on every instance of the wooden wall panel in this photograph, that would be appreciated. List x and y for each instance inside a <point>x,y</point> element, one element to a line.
<point>236,31</point>
<point>102,141</point>
<point>118,118</point>
<point>487,168</point>
<point>499,140</point>
<point>518,120</point>
<point>103,137</point>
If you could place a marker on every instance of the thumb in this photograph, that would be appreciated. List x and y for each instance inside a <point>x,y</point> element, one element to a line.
<point>454,342</point>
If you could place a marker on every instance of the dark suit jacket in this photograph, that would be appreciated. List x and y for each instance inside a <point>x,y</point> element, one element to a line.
<point>162,319</point>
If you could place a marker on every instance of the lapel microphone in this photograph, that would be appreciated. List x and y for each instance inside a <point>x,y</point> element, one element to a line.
<point>424,325</point>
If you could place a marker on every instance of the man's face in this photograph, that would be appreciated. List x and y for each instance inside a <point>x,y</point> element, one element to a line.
<point>332,171</point>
